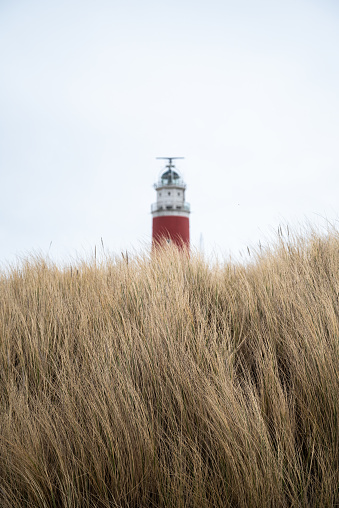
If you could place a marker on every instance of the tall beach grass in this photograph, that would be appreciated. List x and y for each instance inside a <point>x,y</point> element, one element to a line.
<point>168,382</point>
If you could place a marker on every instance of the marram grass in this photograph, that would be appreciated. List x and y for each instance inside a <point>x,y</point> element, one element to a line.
<point>166,382</point>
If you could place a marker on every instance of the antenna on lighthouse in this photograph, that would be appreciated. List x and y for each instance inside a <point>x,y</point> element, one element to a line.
<point>170,159</point>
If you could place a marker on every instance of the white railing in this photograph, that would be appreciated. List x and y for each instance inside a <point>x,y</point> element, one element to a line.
<point>175,183</point>
<point>170,206</point>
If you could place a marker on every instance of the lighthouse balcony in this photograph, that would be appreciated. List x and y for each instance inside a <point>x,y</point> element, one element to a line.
<point>178,183</point>
<point>158,207</point>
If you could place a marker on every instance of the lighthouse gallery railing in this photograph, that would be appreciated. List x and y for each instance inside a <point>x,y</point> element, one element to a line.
<point>158,207</point>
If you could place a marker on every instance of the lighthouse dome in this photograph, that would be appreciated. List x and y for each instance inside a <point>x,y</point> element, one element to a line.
<point>169,176</point>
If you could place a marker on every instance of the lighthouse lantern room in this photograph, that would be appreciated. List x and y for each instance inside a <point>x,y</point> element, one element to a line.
<point>170,212</point>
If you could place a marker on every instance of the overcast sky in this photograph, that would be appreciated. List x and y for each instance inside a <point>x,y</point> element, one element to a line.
<point>92,91</point>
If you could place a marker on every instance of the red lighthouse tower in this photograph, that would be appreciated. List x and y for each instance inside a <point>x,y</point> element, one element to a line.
<point>170,212</point>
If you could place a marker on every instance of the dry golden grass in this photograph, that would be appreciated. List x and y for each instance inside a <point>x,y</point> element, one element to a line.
<point>166,382</point>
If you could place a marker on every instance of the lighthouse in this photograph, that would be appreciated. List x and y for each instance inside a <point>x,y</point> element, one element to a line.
<point>170,212</point>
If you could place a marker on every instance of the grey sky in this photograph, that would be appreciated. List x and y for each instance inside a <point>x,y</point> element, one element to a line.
<point>92,91</point>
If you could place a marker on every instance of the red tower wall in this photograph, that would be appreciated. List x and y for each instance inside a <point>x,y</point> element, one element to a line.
<point>173,227</point>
